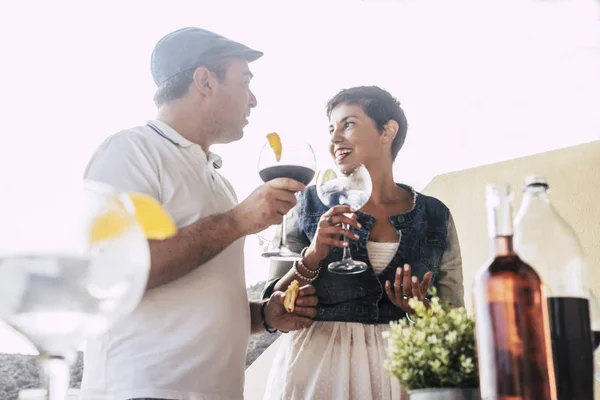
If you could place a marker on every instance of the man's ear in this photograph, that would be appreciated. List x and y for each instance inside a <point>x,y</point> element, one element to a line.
<point>204,81</point>
<point>390,130</point>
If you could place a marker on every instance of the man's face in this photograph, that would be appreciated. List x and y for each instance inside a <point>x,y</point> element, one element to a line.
<point>233,101</point>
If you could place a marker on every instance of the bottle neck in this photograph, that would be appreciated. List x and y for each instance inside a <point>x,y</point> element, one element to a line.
<point>500,223</point>
<point>503,246</point>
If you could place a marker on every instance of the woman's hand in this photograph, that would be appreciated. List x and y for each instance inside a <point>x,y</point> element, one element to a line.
<point>328,234</point>
<point>404,288</point>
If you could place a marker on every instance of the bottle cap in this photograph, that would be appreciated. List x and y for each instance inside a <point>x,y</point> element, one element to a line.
<point>535,181</point>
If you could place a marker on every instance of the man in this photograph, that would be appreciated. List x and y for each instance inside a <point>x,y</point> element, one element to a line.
<point>188,337</point>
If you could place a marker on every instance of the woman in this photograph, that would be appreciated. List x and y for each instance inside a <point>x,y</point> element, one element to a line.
<point>341,356</point>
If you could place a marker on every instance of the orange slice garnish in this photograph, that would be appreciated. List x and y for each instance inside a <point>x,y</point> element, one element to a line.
<point>275,143</point>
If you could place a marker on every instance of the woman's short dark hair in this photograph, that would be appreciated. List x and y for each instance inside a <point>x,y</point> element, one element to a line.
<point>379,105</point>
<point>177,86</point>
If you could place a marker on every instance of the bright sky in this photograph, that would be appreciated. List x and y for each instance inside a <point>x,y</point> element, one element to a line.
<point>480,80</point>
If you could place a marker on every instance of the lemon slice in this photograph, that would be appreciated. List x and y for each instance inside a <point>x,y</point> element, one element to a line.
<point>150,215</point>
<point>275,143</point>
<point>109,225</point>
<point>325,176</point>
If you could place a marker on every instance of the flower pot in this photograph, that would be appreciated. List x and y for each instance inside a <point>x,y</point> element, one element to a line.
<point>445,394</point>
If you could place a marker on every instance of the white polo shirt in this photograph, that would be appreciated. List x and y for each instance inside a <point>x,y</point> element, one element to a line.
<point>187,339</point>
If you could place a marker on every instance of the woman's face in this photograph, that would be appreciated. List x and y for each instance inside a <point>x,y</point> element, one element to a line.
<point>354,136</point>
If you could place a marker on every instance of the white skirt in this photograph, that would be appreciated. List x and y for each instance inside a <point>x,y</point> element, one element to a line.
<point>333,361</point>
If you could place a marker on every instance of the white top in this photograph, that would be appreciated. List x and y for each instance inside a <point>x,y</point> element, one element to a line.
<point>381,253</point>
<point>187,339</point>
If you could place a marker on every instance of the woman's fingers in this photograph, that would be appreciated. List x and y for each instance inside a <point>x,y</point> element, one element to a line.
<point>335,220</point>
<point>426,283</point>
<point>398,282</point>
<point>331,241</point>
<point>406,280</point>
<point>337,231</point>
<point>416,288</point>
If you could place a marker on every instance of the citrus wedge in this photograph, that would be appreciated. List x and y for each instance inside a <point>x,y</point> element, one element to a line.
<point>109,225</point>
<point>150,215</point>
<point>275,143</point>
<point>325,176</point>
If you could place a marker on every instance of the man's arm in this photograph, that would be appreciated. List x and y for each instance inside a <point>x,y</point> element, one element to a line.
<point>123,162</point>
<point>256,320</point>
<point>193,246</point>
<point>196,244</point>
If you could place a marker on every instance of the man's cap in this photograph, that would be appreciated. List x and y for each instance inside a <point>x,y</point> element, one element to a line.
<point>190,48</point>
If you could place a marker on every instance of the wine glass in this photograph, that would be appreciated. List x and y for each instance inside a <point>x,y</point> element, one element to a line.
<point>72,261</point>
<point>293,159</point>
<point>348,185</point>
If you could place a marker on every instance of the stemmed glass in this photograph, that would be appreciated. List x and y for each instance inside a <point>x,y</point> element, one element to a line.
<point>348,185</point>
<point>72,261</point>
<point>294,159</point>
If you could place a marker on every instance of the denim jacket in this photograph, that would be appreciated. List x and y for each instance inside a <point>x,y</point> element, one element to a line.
<point>428,243</point>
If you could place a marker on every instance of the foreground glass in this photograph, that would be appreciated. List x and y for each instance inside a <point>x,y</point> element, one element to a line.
<point>72,262</point>
<point>348,185</point>
<point>296,160</point>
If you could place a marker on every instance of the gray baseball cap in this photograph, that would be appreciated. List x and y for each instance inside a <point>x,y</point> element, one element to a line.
<point>190,48</point>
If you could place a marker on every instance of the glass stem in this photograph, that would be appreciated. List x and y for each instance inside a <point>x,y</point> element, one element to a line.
<point>56,371</point>
<point>346,256</point>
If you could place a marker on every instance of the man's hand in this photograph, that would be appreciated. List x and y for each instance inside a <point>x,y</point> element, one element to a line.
<point>267,205</point>
<point>405,288</point>
<point>277,317</point>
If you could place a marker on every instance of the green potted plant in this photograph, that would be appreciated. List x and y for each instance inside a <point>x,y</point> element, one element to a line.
<point>433,356</point>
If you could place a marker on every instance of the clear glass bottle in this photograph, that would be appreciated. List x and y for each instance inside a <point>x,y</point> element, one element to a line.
<point>511,315</point>
<point>545,241</point>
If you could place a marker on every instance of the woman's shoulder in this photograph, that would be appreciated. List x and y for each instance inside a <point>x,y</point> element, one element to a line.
<point>432,201</point>
<point>431,204</point>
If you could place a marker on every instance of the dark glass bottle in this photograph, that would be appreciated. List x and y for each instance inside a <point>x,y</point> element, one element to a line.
<point>545,241</point>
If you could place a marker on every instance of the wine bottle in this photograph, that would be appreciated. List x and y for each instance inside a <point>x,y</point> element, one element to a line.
<point>546,242</point>
<point>511,315</point>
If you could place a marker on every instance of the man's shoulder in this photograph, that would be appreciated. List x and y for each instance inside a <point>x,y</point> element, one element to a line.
<point>139,136</point>
<point>129,147</point>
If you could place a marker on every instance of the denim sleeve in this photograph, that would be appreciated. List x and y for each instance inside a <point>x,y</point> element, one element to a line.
<point>296,240</point>
<point>450,277</point>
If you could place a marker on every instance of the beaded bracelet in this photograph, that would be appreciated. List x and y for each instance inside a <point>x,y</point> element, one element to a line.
<point>310,272</point>
<point>297,272</point>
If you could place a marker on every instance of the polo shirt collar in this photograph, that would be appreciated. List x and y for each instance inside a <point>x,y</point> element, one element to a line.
<point>170,134</point>
<point>177,139</point>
